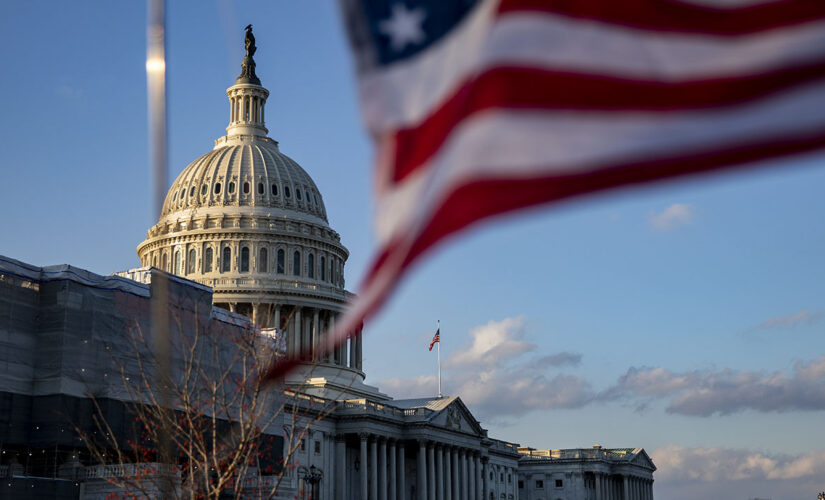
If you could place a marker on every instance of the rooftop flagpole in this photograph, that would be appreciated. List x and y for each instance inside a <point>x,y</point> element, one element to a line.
<point>439,358</point>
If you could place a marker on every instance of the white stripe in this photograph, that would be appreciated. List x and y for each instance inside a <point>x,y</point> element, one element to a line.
<point>515,144</point>
<point>406,93</point>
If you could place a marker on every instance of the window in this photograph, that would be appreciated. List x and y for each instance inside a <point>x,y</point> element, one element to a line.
<point>231,187</point>
<point>539,484</point>
<point>163,263</point>
<point>178,269</point>
<point>207,261</point>
<point>274,190</point>
<point>260,188</point>
<point>218,188</point>
<point>280,265</point>
<point>155,261</point>
<point>192,191</point>
<point>203,190</point>
<point>226,260</point>
<point>491,475</point>
<point>286,191</point>
<point>262,260</point>
<point>559,483</point>
<point>182,192</point>
<point>317,447</point>
<point>190,263</point>
<point>175,196</point>
<point>245,188</point>
<point>509,478</point>
<point>323,269</point>
<point>521,484</point>
<point>296,263</point>
<point>298,194</point>
<point>245,259</point>
<point>502,477</point>
<point>311,266</point>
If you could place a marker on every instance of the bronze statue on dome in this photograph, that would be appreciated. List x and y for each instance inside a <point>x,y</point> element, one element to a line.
<point>248,65</point>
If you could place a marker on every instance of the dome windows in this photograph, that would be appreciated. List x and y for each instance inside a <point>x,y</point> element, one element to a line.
<point>296,263</point>
<point>192,191</point>
<point>298,194</point>
<point>245,259</point>
<point>175,196</point>
<point>323,269</point>
<point>245,188</point>
<point>262,260</point>
<point>260,188</point>
<point>217,188</point>
<point>274,190</point>
<point>286,191</point>
<point>207,259</point>
<point>203,190</point>
<point>311,266</point>
<point>280,261</point>
<point>191,261</point>
<point>226,260</point>
<point>231,188</point>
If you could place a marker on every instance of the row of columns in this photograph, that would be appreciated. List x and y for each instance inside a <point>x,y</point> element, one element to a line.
<point>246,109</point>
<point>305,330</point>
<point>627,488</point>
<point>442,472</point>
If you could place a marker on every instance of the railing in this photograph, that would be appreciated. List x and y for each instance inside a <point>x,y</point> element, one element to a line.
<point>380,408</point>
<point>576,453</point>
<point>135,471</point>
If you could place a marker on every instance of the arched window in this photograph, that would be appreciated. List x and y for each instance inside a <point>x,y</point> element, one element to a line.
<point>274,190</point>
<point>155,261</point>
<point>218,188</point>
<point>296,263</point>
<point>203,190</point>
<point>286,191</point>
<point>192,191</point>
<point>262,260</point>
<point>311,266</point>
<point>163,263</point>
<point>260,188</point>
<point>298,194</point>
<point>245,259</point>
<point>281,264</point>
<point>207,261</point>
<point>231,187</point>
<point>191,261</point>
<point>178,269</point>
<point>245,188</point>
<point>323,269</point>
<point>175,196</point>
<point>226,260</point>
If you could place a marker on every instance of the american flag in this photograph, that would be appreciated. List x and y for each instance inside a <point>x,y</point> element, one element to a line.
<point>436,338</point>
<point>482,107</point>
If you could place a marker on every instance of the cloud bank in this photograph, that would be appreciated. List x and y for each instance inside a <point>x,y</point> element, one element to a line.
<point>706,392</point>
<point>802,317</point>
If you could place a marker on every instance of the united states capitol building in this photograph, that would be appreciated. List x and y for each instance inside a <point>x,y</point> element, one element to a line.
<point>244,230</point>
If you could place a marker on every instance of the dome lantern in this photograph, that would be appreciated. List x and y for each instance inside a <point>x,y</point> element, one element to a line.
<point>247,98</point>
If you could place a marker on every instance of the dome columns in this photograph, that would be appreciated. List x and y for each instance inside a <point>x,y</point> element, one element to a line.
<point>246,110</point>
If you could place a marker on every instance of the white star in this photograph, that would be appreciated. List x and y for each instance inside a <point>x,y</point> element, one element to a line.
<point>404,26</point>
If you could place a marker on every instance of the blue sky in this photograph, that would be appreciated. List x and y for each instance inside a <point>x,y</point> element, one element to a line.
<point>686,318</point>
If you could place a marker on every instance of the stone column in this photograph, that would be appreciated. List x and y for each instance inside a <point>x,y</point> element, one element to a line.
<point>431,477</point>
<point>331,326</point>
<point>465,483</point>
<point>359,351</point>
<point>340,467</point>
<point>421,473</point>
<point>448,474</point>
<point>402,470</point>
<point>364,475</point>
<point>382,470</point>
<point>439,473</point>
<point>373,469</point>
<point>353,340</point>
<point>625,488</point>
<point>316,335</point>
<point>485,478</point>
<point>473,475</point>
<point>276,319</point>
<point>296,331</point>
<point>393,472</point>
<point>456,475</point>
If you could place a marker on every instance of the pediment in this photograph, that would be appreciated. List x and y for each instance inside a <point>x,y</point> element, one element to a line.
<point>643,459</point>
<point>457,417</point>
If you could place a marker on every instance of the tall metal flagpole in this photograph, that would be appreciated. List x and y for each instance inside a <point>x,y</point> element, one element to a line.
<point>439,357</point>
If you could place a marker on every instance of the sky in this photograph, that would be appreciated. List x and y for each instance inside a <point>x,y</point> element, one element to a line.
<point>686,318</point>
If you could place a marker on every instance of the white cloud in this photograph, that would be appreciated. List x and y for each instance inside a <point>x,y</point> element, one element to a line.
<point>677,214</point>
<point>790,320</point>
<point>492,344</point>
<point>493,374</point>
<point>705,392</point>
<point>679,463</point>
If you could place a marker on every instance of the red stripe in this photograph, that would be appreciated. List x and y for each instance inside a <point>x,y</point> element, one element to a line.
<point>675,16</point>
<point>528,88</point>
<point>476,201</point>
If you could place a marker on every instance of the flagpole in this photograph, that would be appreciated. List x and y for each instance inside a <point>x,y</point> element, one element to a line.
<point>439,358</point>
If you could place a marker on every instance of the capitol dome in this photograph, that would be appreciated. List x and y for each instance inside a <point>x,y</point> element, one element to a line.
<point>248,221</point>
